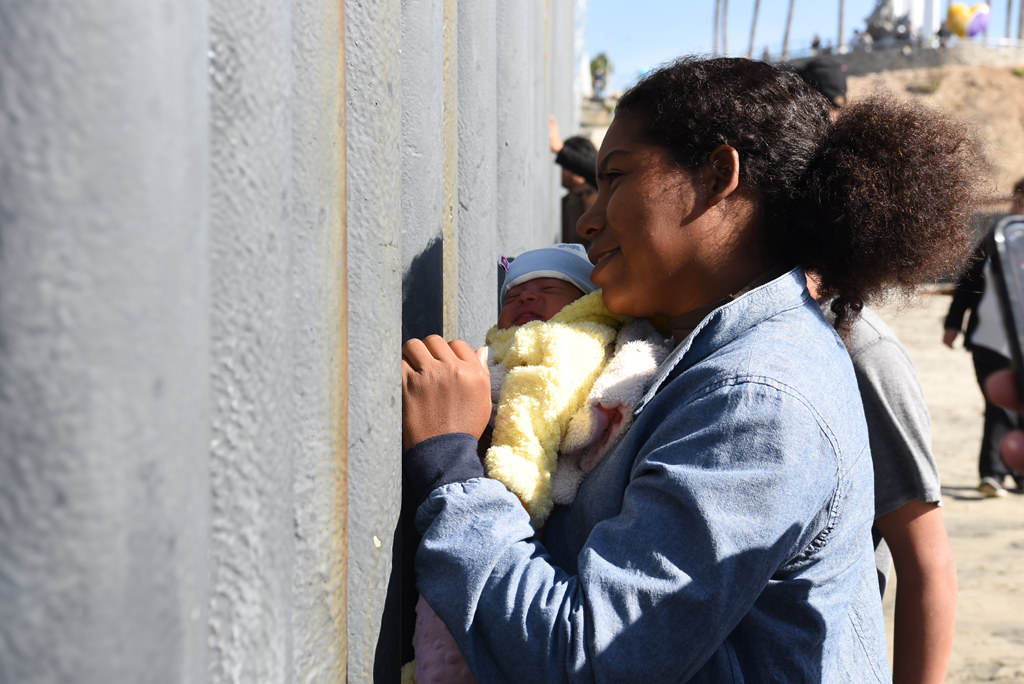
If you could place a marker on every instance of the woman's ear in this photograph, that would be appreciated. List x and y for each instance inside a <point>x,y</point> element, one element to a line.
<point>724,170</point>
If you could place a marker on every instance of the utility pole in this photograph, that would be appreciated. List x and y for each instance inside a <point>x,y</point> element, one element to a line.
<point>714,38</point>
<point>1020,25</point>
<point>841,42</point>
<point>725,27</point>
<point>789,25</point>
<point>753,28</point>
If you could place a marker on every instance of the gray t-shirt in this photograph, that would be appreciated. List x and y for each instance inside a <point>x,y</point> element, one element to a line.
<point>899,427</point>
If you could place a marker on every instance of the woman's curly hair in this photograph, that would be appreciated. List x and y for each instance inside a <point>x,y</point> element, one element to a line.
<point>876,200</point>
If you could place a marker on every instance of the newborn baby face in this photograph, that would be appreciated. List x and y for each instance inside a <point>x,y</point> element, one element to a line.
<point>536,300</point>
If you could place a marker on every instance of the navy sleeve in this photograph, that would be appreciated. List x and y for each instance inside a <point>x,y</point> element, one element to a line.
<point>439,461</point>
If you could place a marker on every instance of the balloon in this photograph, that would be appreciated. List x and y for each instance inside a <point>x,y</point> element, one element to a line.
<point>957,17</point>
<point>978,20</point>
<point>965,21</point>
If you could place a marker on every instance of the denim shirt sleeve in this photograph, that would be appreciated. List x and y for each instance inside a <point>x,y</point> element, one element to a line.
<point>715,513</point>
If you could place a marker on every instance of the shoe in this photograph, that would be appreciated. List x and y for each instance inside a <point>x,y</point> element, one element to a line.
<point>991,487</point>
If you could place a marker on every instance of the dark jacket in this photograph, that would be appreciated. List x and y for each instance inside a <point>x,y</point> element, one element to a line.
<point>969,288</point>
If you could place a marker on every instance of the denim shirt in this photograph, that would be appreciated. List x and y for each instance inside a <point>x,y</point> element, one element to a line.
<point>726,538</point>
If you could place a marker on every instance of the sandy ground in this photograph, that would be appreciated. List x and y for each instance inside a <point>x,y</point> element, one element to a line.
<point>987,534</point>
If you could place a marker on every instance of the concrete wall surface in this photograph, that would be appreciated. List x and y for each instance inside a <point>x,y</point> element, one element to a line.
<point>219,219</point>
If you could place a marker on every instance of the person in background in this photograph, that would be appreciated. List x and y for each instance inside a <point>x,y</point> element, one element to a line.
<point>1001,387</point>
<point>909,532</point>
<point>828,76</point>
<point>944,35</point>
<point>577,156</point>
<point>985,338</point>
<point>726,537</point>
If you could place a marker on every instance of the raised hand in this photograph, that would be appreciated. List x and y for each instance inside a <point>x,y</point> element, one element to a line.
<point>445,388</point>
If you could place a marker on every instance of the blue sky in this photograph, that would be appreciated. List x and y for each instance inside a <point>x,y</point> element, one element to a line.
<point>640,34</point>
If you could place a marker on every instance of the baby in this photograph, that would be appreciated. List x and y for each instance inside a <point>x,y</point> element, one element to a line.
<point>553,339</point>
<point>565,377</point>
<point>564,268</point>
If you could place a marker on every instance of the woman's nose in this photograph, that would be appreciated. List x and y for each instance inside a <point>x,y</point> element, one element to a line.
<point>589,224</point>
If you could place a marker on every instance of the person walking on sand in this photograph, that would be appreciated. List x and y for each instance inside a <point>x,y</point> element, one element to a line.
<point>985,338</point>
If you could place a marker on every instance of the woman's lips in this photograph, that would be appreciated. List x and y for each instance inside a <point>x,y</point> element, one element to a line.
<point>604,255</point>
<point>602,259</point>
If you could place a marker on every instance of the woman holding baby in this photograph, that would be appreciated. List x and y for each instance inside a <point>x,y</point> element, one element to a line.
<point>726,536</point>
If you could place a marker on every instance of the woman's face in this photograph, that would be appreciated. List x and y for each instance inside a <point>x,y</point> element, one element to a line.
<point>652,240</point>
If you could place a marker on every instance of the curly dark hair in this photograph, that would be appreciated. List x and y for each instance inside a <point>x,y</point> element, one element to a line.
<point>876,200</point>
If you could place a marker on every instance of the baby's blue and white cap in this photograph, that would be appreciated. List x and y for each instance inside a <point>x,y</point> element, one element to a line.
<point>565,261</point>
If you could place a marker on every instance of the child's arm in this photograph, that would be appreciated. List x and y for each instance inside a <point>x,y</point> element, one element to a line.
<point>926,591</point>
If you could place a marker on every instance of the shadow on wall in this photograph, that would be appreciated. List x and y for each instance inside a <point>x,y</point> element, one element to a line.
<point>399,609</point>
<point>422,315</point>
<point>423,294</point>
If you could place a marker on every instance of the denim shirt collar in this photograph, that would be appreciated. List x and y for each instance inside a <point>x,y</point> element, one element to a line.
<point>729,321</point>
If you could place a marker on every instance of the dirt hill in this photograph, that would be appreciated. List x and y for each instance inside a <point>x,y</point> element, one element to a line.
<point>991,98</point>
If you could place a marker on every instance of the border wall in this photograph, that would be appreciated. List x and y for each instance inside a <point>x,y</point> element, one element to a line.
<point>218,221</point>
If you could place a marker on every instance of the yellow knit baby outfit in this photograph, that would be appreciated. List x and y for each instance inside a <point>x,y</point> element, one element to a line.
<point>551,367</point>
